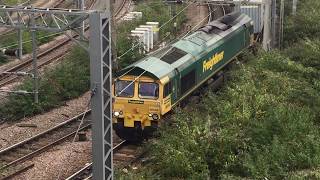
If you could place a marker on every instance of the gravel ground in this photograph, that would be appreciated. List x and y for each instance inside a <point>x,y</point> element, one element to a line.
<point>11,133</point>
<point>68,157</point>
<point>60,162</point>
<point>42,48</point>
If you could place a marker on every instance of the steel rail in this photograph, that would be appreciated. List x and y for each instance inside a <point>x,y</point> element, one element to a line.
<point>30,155</point>
<point>121,8</point>
<point>38,139</point>
<point>24,169</point>
<point>87,169</point>
<point>3,151</point>
<point>6,79</point>
<point>9,31</point>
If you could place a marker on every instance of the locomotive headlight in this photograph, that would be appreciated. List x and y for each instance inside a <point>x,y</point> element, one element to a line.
<point>150,115</point>
<point>116,113</point>
<point>155,117</point>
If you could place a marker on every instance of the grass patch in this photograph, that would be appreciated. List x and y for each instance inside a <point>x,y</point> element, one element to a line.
<point>3,58</point>
<point>154,11</point>
<point>264,123</point>
<point>70,79</point>
<point>11,41</point>
<point>304,24</point>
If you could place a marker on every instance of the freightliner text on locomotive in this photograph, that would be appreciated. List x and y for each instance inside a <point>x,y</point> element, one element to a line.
<point>148,89</point>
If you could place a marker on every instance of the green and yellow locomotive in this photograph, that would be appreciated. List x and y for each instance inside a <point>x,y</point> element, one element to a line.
<point>147,90</point>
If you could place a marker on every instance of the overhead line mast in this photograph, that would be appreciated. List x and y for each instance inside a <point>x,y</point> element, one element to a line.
<point>65,20</point>
<point>101,83</point>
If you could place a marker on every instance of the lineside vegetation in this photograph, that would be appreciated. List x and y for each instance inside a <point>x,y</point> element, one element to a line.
<point>262,124</point>
<point>11,41</point>
<point>71,78</point>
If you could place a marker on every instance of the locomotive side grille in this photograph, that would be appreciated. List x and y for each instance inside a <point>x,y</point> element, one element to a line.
<point>173,55</point>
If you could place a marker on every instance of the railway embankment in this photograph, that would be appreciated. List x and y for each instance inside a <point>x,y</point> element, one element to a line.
<point>262,124</point>
<point>8,37</point>
<point>67,80</point>
<point>70,78</point>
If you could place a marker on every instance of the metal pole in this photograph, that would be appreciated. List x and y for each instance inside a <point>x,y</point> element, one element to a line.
<point>34,61</point>
<point>81,6</point>
<point>281,24</point>
<point>101,82</point>
<point>294,7</point>
<point>114,37</point>
<point>20,33</point>
<point>174,13</point>
<point>274,23</point>
<point>267,31</point>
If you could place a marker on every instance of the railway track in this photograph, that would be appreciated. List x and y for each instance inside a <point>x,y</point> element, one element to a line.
<point>26,65</point>
<point>5,32</point>
<point>122,10</point>
<point>43,60</point>
<point>7,78</point>
<point>13,160</point>
<point>123,153</point>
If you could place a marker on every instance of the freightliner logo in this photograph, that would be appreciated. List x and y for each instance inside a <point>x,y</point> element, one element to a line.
<point>211,62</point>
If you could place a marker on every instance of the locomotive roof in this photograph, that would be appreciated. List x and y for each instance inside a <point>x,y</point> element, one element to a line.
<point>179,55</point>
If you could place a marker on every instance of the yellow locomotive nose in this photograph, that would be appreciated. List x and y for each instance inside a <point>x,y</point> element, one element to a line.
<point>136,106</point>
<point>144,114</point>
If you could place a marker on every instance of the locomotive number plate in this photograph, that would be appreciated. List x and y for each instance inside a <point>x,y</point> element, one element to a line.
<point>135,102</point>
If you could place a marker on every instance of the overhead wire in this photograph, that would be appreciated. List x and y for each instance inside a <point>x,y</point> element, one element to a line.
<point>191,30</point>
<point>136,45</point>
<point>172,18</point>
<point>152,52</point>
<point>42,37</point>
<point>23,42</point>
<point>185,35</point>
<point>89,102</point>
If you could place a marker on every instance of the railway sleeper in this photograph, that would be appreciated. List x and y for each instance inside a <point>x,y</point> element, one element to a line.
<point>32,147</point>
<point>123,157</point>
<point>9,158</point>
<point>24,151</point>
<point>127,151</point>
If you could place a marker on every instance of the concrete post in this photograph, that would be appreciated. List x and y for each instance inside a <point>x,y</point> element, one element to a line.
<point>266,44</point>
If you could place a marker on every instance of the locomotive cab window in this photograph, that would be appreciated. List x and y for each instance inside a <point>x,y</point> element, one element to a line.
<point>124,88</point>
<point>148,90</point>
<point>167,89</point>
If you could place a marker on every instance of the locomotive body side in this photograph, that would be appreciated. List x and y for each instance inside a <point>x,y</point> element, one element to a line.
<point>209,62</point>
<point>147,90</point>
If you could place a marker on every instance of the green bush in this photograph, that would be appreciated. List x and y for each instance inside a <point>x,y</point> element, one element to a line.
<point>124,43</point>
<point>180,151</point>
<point>3,59</point>
<point>154,10</point>
<point>157,11</point>
<point>70,79</point>
<point>264,123</point>
<point>306,52</point>
<point>11,40</point>
<point>304,24</point>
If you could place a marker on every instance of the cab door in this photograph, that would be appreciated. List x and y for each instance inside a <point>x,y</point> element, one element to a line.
<point>175,86</point>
